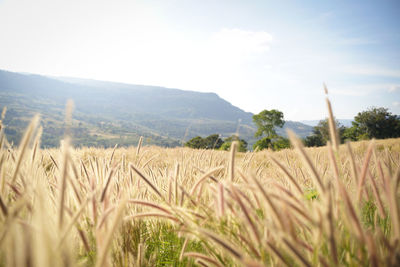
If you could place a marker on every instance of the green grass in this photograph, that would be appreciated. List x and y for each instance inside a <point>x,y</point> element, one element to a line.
<point>161,245</point>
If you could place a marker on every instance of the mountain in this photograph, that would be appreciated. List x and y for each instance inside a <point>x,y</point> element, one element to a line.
<point>107,113</point>
<point>344,122</point>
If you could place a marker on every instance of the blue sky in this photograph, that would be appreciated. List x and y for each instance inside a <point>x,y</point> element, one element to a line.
<point>256,54</point>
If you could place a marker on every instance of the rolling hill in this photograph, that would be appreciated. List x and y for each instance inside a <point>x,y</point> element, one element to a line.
<point>344,122</point>
<point>107,113</point>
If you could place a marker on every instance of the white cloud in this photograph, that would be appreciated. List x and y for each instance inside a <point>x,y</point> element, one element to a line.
<point>362,89</point>
<point>350,91</point>
<point>396,104</point>
<point>242,42</point>
<point>371,71</point>
<point>394,88</point>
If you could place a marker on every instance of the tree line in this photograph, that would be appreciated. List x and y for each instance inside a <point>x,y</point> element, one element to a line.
<point>376,123</point>
<point>214,141</point>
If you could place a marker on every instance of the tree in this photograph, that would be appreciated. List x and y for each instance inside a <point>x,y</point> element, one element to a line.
<point>266,121</point>
<point>263,143</point>
<point>352,134</point>
<point>196,142</point>
<point>322,130</point>
<point>313,140</point>
<point>321,134</point>
<point>276,144</point>
<point>210,142</point>
<point>375,123</point>
<point>280,143</point>
<point>228,142</point>
<point>213,141</point>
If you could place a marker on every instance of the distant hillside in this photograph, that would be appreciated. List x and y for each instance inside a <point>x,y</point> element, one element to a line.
<point>344,122</point>
<point>107,113</point>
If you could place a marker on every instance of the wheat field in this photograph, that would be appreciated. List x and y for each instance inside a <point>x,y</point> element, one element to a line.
<point>152,206</point>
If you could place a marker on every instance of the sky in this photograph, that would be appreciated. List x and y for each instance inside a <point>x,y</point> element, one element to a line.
<point>255,54</point>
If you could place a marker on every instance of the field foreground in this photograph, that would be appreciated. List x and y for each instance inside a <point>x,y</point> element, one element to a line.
<point>151,206</point>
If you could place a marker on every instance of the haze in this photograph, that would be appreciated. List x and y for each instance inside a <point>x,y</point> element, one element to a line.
<point>256,54</point>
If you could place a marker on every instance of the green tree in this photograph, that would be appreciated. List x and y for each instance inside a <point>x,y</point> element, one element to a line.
<point>276,144</point>
<point>266,122</point>
<point>280,143</point>
<point>313,140</point>
<point>228,142</point>
<point>213,141</point>
<point>196,142</point>
<point>353,134</point>
<point>321,134</point>
<point>375,123</point>
<point>210,142</point>
<point>263,143</point>
<point>322,130</point>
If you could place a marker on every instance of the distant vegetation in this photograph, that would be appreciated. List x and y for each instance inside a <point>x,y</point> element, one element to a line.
<point>266,122</point>
<point>210,142</point>
<point>242,144</point>
<point>376,123</point>
<point>215,142</point>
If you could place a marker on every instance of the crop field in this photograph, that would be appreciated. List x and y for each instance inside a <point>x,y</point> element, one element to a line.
<point>152,206</point>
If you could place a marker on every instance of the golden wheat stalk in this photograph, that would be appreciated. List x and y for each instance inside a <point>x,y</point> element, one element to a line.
<point>361,179</point>
<point>104,249</point>
<point>234,146</point>
<point>63,181</point>
<point>203,178</point>
<point>147,181</point>
<point>139,145</point>
<point>152,215</point>
<point>24,146</point>
<point>306,159</point>
<point>203,257</point>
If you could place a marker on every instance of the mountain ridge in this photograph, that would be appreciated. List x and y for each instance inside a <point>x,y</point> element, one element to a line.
<point>344,122</point>
<point>166,116</point>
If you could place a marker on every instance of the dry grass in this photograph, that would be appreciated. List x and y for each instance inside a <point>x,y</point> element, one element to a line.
<point>103,207</point>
